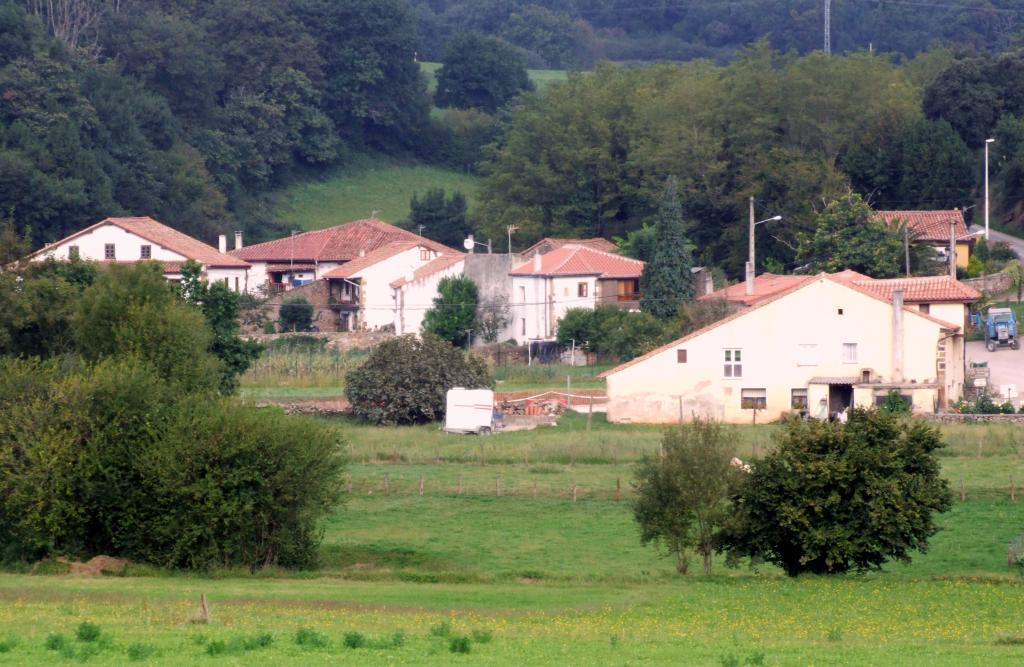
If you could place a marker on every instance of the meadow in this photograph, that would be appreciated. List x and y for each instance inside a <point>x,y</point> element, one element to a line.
<point>417,574</point>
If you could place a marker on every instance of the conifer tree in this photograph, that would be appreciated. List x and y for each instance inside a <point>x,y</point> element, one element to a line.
<point>667,280</point>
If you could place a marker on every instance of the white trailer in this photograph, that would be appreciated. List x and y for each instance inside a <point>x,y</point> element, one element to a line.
<point>469,411</point>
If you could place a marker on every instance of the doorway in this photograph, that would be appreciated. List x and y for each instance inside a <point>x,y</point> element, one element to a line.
<point>840,397</point>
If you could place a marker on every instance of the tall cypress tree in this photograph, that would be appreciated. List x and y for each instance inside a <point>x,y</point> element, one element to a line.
<point>667,280</point>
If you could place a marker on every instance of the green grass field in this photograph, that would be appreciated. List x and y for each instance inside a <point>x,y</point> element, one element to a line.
<point>372,183</point>
<point>541,78</point>
<point>532,577</point>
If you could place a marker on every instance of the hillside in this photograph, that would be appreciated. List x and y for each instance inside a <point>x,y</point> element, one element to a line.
<point>378,185</point>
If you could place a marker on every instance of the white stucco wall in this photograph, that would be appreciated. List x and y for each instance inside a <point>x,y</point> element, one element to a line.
<point>543,300</point>
<point>377,303</point>
<point>236,279</point>
<point>412,300</point>
<point>92,245</point>
<point>769,338</point>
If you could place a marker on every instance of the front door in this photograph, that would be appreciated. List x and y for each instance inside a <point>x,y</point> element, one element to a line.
<point>840,397</point>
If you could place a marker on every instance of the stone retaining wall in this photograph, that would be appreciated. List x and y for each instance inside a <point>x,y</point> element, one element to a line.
<point>993,283</point>
<point>340,341</point>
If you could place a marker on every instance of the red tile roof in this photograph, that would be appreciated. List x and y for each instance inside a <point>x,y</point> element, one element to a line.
<point>577,260</point>
<point>925,289</point>
<point>765,286</point>
<point>928,225</point>
<point>793,287</point>
<point>288,266</point>
<point>350,269</point>
<point>439,264</point>
<point>340,243</point>
<point>546,245</point>
<point>164,236</point>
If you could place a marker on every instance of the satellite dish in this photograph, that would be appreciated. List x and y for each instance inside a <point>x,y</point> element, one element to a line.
<point>468,243</point>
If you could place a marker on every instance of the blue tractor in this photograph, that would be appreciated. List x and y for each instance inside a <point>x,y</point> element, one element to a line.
<point>1000,329</point>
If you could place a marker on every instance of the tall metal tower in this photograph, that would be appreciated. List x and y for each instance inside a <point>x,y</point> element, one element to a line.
<point>828,27</point>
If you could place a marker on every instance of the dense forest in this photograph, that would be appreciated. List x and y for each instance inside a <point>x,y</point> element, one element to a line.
<point>197,112</point>
<point>578,33</point>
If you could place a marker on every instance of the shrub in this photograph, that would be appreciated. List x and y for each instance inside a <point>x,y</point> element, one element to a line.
<point>454,310</point>
<point>895,403</point>
<point>354,640</point>
<point>87,632</point>
<point>139,651</point>
<point>613,332</point>
<point>442,629</point>
<point>1007,408</point>
<point>682,496</point>
<point>833,497</point>
<point>296,314</point>
<point>482,636</point>
<point>459,644</point>
<point>310,638</point>
<point>405,380</point>
<point>7,645</point>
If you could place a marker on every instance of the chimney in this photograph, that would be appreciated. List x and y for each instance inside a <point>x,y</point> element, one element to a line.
<point>222,243</point>
<point>238,239</point>
<point>536,263</point>
<point>897,335</point>
<point>362,252</point>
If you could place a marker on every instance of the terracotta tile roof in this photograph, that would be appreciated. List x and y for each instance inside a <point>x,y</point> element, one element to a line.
<point>765,285</point>
<point>340,243</point>
<point>577,260</point>
<point>288,266</point>
<point>925,289</point>
<point>794,287</point>
<point>167,237</point>
<point>928,225</point>
<point>546,245</point>
<point>350,269</point>
<point>845,379</point>
<point>439,264</point>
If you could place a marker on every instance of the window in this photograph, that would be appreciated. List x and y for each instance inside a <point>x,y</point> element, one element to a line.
<point>108,251</point>
<point>424,254</point>
<point>522,324</point>
<point>733,364</point>
<point>839,311</point>
<point>925,308</point>
<point>581,289</point>
<point>680,356</point>
<point>807,354</point>
<point>849,353</point>
<point>73,252</point>
<point>753,399</point>
<point>146,252</point>
<point>798,400</point>
<point>522,294</point>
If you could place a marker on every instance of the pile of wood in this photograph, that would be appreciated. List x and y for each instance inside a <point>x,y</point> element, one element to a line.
<point>551,407</point>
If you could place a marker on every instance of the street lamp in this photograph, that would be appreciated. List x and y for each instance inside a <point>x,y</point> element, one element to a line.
<point>987,142</point>
<point>291,263</point>
<point>470,243</point>
<point>750,259</point>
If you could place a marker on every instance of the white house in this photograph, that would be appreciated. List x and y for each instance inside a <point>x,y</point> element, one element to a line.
<point>413,294</point>
<point>362,290</point>
<point>572,276</point>
<point>129,240</point>
<point>817,346</point>
<point>301,258</point>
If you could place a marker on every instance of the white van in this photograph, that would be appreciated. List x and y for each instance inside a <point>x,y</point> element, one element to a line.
<point>469,411</point>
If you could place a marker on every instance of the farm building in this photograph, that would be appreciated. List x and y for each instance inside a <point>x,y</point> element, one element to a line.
<point>815,345</point>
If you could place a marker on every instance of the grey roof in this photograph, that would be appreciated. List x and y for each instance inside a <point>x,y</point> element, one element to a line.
<point>834,380</point>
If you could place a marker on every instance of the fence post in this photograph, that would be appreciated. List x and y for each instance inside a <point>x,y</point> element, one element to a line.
<point>590,413</point>
<point>535,490</point>
<point>574,491</point>
<point>421,485</point>
<point>460,485</point>
<point>618,489</point>
<point>387,485</point>
<point>1013,491</point>
<point>963,491</point>
<point>497,487</point>
<point>348,487</point>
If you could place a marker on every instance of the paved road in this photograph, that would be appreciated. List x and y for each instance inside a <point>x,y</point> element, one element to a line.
<point>1014,242</point>
<point>1006,365</point>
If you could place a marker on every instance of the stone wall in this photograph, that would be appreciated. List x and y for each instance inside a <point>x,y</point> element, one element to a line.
<point>490,274</point>
<point>954,418</point>
<point>992,284</point>
<point>340,341</point>
<point>317,293</point>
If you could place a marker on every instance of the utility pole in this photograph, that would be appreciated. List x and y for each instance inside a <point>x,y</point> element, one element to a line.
<point>952,248</point>
<point>828,27</point>
<point>987,142</point>
<point>750,252</point>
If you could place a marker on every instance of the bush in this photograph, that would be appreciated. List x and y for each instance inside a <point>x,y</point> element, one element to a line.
<point>354,640</point>
<point>612,332</point>
<point>296,314</point>
<point>310,638</point>
<point>110,459</point>
<point>1007,408</point>
<point>453,312</point>
<point>833,497</point>
<point>405,380</point>
<point>87,632</point>
<point>459,644</point>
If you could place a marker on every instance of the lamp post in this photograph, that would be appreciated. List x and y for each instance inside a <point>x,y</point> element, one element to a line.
<point>987,142</point>
<point>291,262</point>
<point>750,258</point>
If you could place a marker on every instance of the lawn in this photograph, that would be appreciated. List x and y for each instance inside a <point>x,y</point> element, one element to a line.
<point>534,577</point>
<point>541,78</point>
<point>370,185</point>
